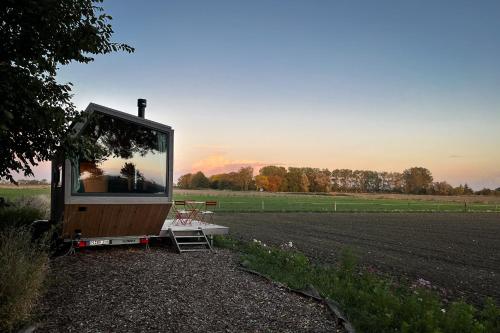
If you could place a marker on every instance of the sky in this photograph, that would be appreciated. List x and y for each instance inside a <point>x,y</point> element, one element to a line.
<point>378,85</point>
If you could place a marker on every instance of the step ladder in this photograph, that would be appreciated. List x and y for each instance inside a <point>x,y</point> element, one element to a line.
<point>190,240</point>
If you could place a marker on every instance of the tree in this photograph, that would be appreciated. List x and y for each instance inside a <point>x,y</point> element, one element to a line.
<point>467,189</point>
<point>372,181</point>
<point>199,180</point>
<point>276,176</point>
<point>485,191</point>
<point>272,170</point>
<point>225,181</point>
<point>130,172</point>
<point>459,190</point>
<point>276,183</point>
<point>262,182</point>
<point>384,179</point>
<point>35,110</point>
<point>342,180</point>
<point>185,181</point>
<point>297,180</point>
<point>396,182</point>
<point>321,181</point>
<point>245,177</point>
<point>417,180</point>
<point>304,183</point>
<point>335,180</point>
<point>442,188</point>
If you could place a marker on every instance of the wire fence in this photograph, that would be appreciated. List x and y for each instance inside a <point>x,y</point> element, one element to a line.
<point>290,204</point>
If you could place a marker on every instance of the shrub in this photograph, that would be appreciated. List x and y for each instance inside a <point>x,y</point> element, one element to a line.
<point>226,242</point>
<point>23,267</point>
<point>22,212</point>
<point>39,202</point>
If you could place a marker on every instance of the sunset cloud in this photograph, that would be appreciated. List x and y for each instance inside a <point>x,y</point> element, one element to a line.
<point>220,163</point>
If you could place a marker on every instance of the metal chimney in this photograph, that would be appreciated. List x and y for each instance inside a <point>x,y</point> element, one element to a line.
<point>141,107</point>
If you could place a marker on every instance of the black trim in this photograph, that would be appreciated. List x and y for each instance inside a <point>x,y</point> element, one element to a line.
<point>164,129</point>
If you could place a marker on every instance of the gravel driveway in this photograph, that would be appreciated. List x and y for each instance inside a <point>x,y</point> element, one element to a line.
<point>134,290</point>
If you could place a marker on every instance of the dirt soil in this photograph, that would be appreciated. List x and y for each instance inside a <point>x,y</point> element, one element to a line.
<point>134,290</point>
<point>459,254</point>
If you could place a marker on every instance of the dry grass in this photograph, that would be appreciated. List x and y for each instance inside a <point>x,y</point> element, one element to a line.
<point>22,274</point>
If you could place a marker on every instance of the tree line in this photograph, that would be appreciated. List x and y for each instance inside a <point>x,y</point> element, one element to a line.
<point>28,182</point>
<point>271,178</point>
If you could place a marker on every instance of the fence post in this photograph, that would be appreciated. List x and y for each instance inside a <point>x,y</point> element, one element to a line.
<point>335,205</point>
<point>262,204</point>
<point>465,206</point>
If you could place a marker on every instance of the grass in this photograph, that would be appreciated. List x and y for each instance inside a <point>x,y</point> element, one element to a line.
<point>23,262</point>
<point>18,216</point>
<point>325,203</point>
<point>22,211</point>
<point>373,303</point>
<point>22,274</point>
<point>255,202</point>
<point>10,193</point>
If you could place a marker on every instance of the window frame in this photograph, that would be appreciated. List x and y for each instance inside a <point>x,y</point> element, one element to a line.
<point>133,120</point>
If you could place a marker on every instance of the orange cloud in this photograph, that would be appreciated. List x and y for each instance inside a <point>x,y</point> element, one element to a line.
<point>219,163</point>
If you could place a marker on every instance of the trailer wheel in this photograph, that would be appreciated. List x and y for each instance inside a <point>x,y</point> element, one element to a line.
<point>38,228</point>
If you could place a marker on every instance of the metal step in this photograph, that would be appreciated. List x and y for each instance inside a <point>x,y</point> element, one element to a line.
<point>193,250</point>
<point>201,242</point>
<point>192,243</point>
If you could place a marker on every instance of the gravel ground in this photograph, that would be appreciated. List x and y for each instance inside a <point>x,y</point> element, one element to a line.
<point>459,254</point>
<point>135,290</point>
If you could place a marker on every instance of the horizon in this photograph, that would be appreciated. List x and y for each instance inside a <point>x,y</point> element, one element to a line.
<point>380,87</point>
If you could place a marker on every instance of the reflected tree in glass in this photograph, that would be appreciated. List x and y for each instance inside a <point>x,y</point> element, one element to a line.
<point>133,175</point>
<point>124,148</point>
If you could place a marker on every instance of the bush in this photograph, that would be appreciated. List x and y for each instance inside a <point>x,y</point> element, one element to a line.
<point>22,212</point>
<point>23,266</point>
<point>373,303</point>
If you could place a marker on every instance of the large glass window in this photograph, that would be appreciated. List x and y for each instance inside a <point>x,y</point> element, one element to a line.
<point>131,159</point>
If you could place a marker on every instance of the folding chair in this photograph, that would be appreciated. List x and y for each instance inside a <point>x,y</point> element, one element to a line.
<point>181,215</point>
<point>207,215</point>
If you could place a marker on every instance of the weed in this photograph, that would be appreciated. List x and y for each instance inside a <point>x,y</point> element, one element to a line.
<point>23,266</point>
<point>22,212</point>
<point>372,302</point>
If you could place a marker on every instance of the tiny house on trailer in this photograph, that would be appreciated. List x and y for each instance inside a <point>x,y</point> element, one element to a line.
<point>125,195</point>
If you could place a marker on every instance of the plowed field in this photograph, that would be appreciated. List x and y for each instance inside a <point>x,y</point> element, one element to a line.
<point>458,253</point>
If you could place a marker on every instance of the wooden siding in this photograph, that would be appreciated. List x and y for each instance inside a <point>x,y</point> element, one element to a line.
<point>111,220</point>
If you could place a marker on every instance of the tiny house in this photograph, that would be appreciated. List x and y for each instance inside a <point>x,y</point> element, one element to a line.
<point>125,193</point>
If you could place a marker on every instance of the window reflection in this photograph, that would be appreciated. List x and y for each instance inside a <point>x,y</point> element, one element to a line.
<point>133,159</point>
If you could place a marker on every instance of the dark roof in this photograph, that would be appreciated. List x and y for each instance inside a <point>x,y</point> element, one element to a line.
<point>128,117</point>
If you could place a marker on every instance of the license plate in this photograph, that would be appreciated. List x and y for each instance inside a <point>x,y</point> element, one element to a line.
<point>99,242</point>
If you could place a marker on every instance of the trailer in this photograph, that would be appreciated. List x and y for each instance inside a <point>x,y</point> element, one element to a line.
<point>125,195</point>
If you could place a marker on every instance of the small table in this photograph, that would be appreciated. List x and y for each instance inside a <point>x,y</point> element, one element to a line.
<point>194,208</point>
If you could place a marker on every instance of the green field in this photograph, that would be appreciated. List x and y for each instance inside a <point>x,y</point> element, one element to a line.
<point>12,193</point>
<point>255,202</point>
<point>326,203</point>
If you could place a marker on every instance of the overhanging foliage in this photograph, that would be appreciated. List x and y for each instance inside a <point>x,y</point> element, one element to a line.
<point>35,110</point>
